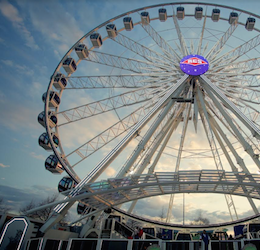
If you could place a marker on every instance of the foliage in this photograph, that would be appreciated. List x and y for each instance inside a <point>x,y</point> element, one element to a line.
<point>42,214</point>
<point>162,215</point>
<point>200,220</point>
<point>3,207</point>
<point>14,241</point>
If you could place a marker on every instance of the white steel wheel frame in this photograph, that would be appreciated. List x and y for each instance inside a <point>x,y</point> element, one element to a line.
<point>125,78</point>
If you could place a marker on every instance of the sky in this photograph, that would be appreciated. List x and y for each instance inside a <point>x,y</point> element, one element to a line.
<point>34,36</point>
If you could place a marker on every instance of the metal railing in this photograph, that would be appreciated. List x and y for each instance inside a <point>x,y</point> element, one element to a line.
<point>132,244</point>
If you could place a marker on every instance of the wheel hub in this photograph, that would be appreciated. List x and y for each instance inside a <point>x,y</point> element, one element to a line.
<point>194,65</point>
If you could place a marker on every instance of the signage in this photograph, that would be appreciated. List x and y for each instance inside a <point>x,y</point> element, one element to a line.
<point>194,65</point>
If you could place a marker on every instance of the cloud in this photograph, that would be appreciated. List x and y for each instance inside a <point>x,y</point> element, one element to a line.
<point>35,83</point>
<point>110,172</point>
<point>24,70</point>
<point>8,62</point>
<point>12,14</point>
<point>21,69</point>
<point>17,117</point>
<point>39,157</point>
<point>214,209</point>
<point>74,134</point>
<point>59,28</point>
<point>44,189</point>
<point>4,166</point>
<point>17,198</point>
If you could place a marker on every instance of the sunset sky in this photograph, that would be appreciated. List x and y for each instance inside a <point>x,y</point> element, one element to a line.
<point>34,36</point>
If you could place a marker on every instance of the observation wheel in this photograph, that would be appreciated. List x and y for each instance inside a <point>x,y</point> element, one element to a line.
<point>166,88</point>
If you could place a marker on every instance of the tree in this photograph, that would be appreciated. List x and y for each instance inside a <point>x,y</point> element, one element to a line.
<point>40,214</point>
<point>3,207</point>
<point>13,241</point>
<point>162,215</point>
<point>200,220</point>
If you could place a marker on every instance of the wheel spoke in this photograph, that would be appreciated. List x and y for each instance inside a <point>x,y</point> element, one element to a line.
<point>108,135</point>
<point>136,66</point>
<point>105,105</point>
<point>139,49</point>
<point>107,81</point>
<point>184,49</point>
<point>236,53</point>
<point>201,36</point>
<point>166,48</point>
<point>221,42</point>
<point>214,149</point>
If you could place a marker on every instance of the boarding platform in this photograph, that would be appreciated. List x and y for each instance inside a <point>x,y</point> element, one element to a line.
<point>124,244</point>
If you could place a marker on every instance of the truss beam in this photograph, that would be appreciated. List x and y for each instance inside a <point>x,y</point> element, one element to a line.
<point>166,48</point>
<point>145,139</point>
<point>106,105</point>
<point>234,169</point>
<point>202,35</point>
<point>107,81</point>
<point>211,87</point>
<point>108,135</point>
<point>214,149</point>
<point>181,39</point>
<point>104,163</point>
<point>136,66</point>
<point>234,54</point>
<point>221,42</point>
<point>203,181</point>
<point>137,48</point>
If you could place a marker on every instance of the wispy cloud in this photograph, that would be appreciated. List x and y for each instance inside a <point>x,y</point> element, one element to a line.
<point>36,156</point>
<point>21,69</point>
<point>18,198</point>
<point>12,14</point>
<point>64,29</point>
<point>18,117</point>
<point>7,62</point>
<point>110,172</point>
<point>4,166</point>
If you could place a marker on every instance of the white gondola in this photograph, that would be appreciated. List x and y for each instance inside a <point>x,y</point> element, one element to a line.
<point>162,15</point>
<point>128,23</point>
<point>82,51</point>
<point>180,13</point>
<point>53,165</point>
<point>250,23</point>
<point>84,209</point>
<point>233,17</point>
<point>198,13</point>
<point>59,81</point>
<point>41,118</point>
<point>145,18</point>
<point>215,15</point>
<point>53,120</point>
<point>111,30</point>
<point>65,184</point>
<point>81,208</point>
<point>54,100</point>
<point>96,40</point>
<point>44,141</point>
<point>69,65</point>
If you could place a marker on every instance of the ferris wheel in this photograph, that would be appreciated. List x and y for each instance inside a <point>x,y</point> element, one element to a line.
<point>165,88</point>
